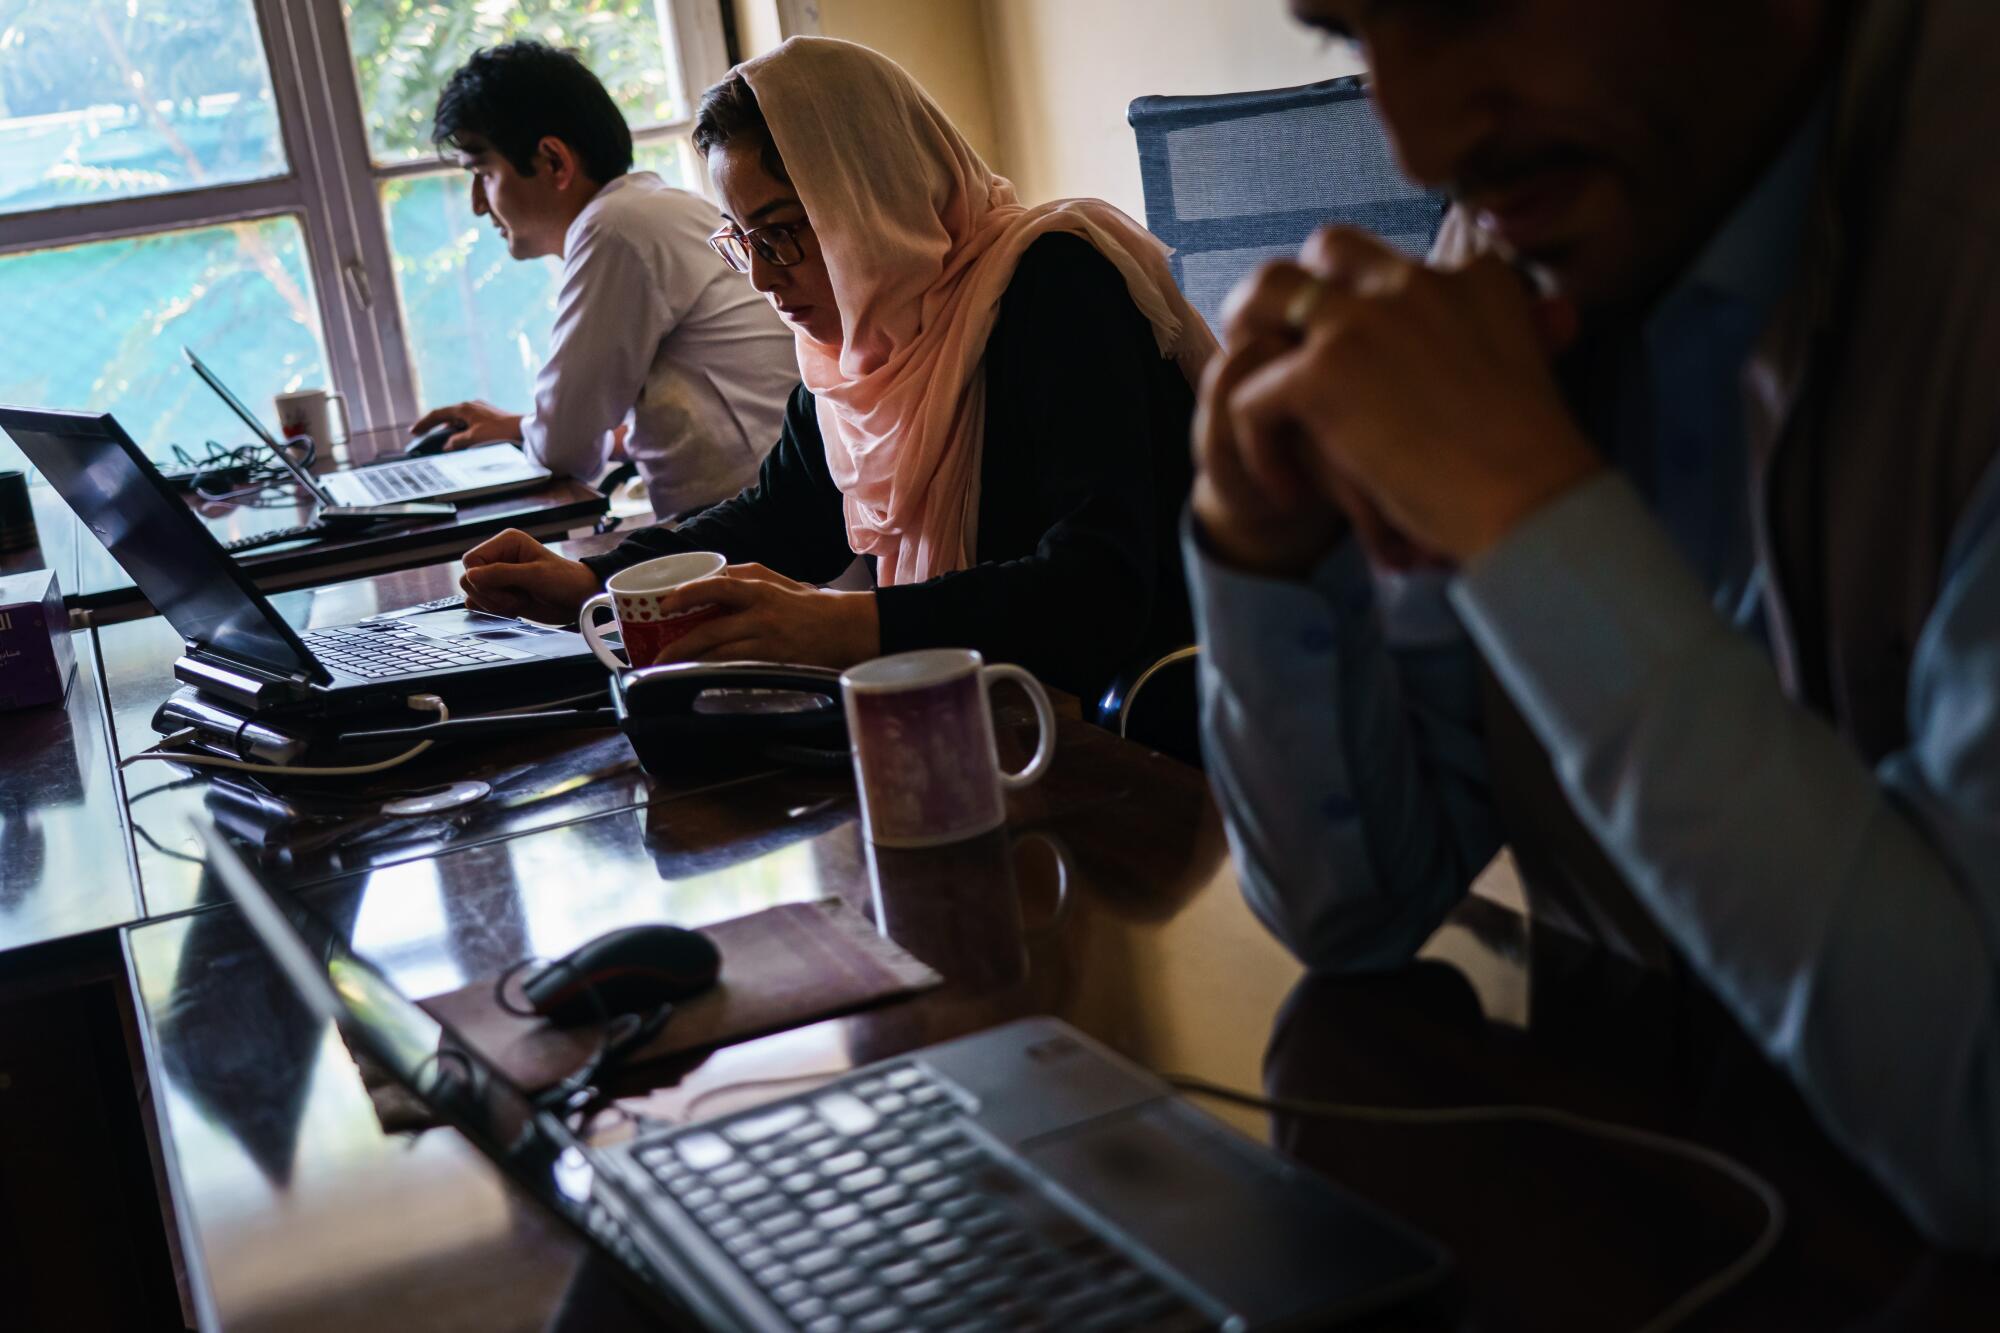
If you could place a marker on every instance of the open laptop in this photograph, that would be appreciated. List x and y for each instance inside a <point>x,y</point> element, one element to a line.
<point>467,474</point>
<point>1023,1177</point>
<point>238,648</point>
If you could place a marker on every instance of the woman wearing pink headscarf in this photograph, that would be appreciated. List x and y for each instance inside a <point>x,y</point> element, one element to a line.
<point>994,408</point>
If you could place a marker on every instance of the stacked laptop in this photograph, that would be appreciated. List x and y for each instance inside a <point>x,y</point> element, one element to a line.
<point>239,652</point>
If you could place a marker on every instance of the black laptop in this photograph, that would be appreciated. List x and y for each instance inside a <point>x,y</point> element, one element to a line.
<point>1021,1178</point>
<point>239,649</point>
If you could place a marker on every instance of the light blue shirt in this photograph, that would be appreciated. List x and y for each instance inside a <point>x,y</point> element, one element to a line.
<point>1849,917</point>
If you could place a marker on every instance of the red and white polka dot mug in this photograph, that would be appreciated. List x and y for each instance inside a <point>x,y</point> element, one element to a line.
<point>633,595</point>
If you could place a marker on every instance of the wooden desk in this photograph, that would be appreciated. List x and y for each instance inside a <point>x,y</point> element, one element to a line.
<point>1557,1230</point>
<point>285,1178</point>
<point>299,1213</point>
<point>78,1195</point>
<point>283,1185</point>
<point>63,867</point>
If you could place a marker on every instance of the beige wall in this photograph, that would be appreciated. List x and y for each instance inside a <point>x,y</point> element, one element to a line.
<point>1040,86</point>
<point>941,42</point>
<point>1064,70</point>
<point>759,27</point>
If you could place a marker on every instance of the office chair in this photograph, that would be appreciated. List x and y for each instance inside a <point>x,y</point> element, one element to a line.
<point>1232,181</point>
<point>1157,704</point>
<point>1239,178</point>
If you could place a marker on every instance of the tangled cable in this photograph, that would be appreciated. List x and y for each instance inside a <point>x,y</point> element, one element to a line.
<point>250,468</point>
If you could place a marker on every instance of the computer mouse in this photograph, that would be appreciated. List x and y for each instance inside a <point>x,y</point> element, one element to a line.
<point>631,971</point>
<point>432,440</point>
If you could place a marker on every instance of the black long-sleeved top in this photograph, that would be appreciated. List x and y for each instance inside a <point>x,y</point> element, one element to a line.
<point>1084,474</point>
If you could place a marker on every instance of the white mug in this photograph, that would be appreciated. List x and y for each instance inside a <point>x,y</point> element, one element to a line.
<point>921,726</point>
<point>310,412</point>
<point>633,596</point>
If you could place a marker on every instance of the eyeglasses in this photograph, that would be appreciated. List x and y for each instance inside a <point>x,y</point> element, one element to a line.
<point>777,244</point>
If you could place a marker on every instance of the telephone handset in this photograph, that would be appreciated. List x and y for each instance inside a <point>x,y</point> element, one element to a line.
<point>689,712</point>
<point>685,715</point>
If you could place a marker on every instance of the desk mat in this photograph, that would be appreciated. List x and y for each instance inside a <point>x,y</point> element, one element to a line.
<point>783,967</point>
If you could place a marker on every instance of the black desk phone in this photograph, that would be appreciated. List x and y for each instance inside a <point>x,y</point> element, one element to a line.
<point>683,715</point>
<point>678,716</point>
<point>686,713</point>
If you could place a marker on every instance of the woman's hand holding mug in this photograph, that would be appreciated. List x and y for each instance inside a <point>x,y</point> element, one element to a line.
<point>638,596</point>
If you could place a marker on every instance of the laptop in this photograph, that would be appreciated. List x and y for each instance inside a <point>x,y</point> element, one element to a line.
<point>238,648</point>
<point>1023,1177</point>
<point>466,474</point>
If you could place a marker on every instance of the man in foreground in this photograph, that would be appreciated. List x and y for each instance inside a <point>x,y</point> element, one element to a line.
<point>1684,579</point>
<point>652,330</point>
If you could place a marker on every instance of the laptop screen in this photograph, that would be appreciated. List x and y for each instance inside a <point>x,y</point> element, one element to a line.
<point>184,572</point>
<point>214,381</point>
<point>385,1029</point>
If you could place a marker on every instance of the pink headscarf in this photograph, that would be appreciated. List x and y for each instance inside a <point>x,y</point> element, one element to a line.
<point>921,240</point>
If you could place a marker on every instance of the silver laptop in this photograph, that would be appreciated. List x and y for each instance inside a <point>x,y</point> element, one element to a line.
<point>1020,1178</point>
<point>465,474</point>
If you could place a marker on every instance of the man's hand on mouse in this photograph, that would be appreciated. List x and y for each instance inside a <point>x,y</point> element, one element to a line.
<point>1421,403</point>
<point>515,575</point>
<point>484,424</point>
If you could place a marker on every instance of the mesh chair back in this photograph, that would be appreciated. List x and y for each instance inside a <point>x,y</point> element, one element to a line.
<point>1234,180</point>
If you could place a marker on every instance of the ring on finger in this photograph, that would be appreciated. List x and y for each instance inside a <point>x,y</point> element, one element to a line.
<point>1298,311</point>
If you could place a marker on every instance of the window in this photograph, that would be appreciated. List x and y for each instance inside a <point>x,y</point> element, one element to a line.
<point>478,323</point>
<point>102,100</point>
<point>106,320</point>
<point>255,179</point>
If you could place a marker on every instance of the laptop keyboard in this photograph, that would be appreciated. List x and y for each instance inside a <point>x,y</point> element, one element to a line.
<point>452,603</point>
<point>377,652</point>
<point>869,1207</point>
<point>403,481</point>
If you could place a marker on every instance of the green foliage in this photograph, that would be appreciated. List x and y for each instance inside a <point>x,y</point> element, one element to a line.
<point>105,322</point>
<point>116,98</point>
<point>404,50</point>
<point>59,55</point>
<point>108,98</point>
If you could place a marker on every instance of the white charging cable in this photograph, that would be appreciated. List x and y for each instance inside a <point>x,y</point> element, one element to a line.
<point>421,702</point>
<point>1688,1302</point>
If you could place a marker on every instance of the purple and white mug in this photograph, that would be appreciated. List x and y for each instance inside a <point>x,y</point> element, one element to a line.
<point>921,725</point>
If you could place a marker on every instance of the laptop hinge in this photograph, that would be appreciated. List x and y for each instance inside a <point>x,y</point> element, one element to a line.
<point>235,686</point>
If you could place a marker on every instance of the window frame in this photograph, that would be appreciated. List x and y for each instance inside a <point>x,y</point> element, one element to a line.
<point>331,189</point>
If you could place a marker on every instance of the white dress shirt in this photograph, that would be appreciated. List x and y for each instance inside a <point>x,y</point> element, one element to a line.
<point>653,327</point>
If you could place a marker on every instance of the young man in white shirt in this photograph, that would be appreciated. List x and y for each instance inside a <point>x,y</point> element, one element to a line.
<point>653,332</point>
